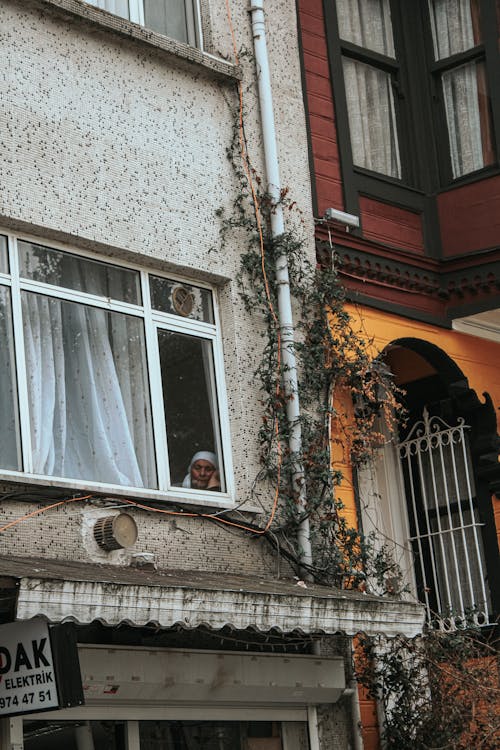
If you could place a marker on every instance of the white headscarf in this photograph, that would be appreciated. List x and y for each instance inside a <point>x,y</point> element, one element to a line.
<point>200,456</point>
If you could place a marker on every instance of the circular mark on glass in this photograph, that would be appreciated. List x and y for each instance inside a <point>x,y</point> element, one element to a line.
<point>183,301</point>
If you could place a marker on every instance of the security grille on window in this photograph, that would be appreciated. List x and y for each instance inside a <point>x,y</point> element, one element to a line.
<point>177,19</point>
<point>444,522</point>
<point>104,378</point>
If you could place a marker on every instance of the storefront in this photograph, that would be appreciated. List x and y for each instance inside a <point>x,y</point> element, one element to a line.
<point>157,698</point>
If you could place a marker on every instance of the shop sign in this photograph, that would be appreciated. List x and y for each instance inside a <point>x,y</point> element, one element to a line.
<point>39,668</point>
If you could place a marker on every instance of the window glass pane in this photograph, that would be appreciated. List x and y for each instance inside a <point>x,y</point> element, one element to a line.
<point>170,17</point>
<point>89,402</point>
<point>119,7</point>
<point>9,434</point>
<point>195,735</point>
<point>366,23</point>
<point>82,274</point>
<point>190,409</point>
<point>181,299</point>
<point>467,109</point>
<point>455,26</point>
<point>74,735</point>
<point>372,118</point>
<point>4,259</point>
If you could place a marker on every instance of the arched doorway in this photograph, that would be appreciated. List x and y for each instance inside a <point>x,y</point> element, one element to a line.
<point>446,452</point>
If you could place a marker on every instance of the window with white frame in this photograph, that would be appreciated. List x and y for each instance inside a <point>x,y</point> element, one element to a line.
<point>110,375</point>
<point>178,19</point>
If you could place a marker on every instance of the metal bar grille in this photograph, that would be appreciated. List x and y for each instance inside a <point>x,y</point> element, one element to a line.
<point>444,523</point>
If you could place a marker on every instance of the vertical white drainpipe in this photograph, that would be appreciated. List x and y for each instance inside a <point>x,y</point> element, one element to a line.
<point>312,726</point>
<point>283,284</point>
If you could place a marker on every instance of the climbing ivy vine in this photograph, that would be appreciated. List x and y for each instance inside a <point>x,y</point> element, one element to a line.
<point>436,690</point>
<point>341,383</point>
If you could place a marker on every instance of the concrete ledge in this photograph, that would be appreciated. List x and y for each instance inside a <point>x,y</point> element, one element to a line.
<point>179,52</point>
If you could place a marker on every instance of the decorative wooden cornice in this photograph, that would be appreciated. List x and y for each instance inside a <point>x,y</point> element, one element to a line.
<point>420,287</point>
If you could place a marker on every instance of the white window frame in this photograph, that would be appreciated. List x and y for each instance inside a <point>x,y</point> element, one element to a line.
<point>154,320</point>
<point>383,509</point>
<point>195,33</point>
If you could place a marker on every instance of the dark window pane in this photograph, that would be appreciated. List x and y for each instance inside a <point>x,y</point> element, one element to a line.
<point>9,434</point>
<point>72,735</point>
<point>88,393</point>
<point>4,260</point>
<point>181,299</point>
<point>82,274</point>
<point>189,735</point>
<point>190,405</point>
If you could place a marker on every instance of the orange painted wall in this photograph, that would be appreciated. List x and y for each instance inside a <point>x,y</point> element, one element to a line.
<point>478,359</point>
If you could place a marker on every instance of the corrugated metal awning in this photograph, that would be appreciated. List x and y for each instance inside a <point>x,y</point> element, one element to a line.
<point>60,591</point>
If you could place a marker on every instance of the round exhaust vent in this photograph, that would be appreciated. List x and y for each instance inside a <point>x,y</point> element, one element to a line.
<point>115,532</point>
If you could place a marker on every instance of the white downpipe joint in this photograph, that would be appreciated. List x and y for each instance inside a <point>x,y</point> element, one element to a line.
<point>283,284</point>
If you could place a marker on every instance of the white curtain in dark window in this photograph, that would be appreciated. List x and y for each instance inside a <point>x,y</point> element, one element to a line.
<point>366,23</point>
<point>372,120</point>
<point>461,101</point>
<point>88,396</point>
<point>452,28</point>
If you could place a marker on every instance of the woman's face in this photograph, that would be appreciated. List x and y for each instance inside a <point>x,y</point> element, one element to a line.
<point>201,474</point>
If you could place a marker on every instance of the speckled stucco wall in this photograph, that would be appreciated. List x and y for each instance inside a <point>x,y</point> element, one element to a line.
<point>114,141</point>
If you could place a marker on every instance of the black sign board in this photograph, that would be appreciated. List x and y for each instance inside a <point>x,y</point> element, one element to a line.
<point>39,668</point>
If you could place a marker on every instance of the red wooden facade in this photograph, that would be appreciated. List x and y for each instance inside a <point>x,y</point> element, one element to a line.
<point>455,274</point>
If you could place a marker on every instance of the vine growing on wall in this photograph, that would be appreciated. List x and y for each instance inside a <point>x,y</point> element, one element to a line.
<point>439,691</point>
<point>340,383</point>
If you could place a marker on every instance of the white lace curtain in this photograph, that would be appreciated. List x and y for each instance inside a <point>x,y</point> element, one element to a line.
<point>9,438</point>
<point>118,7</point>
<point>88,396</point>
<point>370,101</point>
<point>366,23</point>
<point>454,30</point>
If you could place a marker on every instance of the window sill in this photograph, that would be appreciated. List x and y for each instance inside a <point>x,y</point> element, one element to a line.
<point>492,170</point>
<point>193,500</point>
<point>173,49</point>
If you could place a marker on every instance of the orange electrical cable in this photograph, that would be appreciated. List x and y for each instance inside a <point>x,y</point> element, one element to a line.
<point>246,166</point>
<point>42,510</point>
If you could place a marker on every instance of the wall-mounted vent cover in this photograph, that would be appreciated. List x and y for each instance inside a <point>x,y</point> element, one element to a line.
<point>115,532</point>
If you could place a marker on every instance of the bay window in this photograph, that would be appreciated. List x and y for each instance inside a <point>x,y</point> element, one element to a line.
<point>110,375</point>
<point>178,19</point>
<point>418,87</point>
